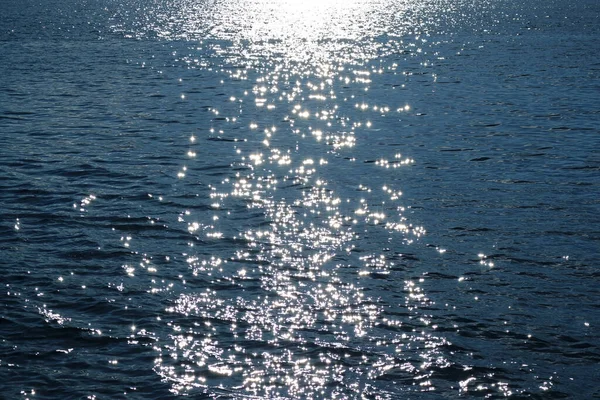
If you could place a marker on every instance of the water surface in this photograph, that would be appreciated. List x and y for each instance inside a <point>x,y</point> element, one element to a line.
<point>299,200</point>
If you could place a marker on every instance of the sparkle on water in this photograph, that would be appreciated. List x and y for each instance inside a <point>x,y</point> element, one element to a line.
<point>287,314</point>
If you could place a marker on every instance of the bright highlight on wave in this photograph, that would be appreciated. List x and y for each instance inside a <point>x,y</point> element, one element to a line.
<point>303,270</point>
<point>294,30</point>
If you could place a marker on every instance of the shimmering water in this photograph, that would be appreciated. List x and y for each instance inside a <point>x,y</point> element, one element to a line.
<point>282,199</point>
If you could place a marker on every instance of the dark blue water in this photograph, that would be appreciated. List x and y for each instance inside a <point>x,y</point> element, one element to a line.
<point>327,199</point>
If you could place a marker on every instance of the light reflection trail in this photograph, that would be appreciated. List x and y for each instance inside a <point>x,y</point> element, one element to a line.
<point>292,311</point>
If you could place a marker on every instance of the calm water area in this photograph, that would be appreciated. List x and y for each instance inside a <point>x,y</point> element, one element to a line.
<point>278,199</point>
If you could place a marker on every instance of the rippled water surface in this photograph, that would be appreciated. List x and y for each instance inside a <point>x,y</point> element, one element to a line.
<point>283,199</point>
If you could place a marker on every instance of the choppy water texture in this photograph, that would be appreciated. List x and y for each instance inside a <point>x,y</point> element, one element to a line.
<point>299,199</point>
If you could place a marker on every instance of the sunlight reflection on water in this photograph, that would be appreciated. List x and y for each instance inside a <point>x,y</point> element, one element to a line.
<point>289,312</point>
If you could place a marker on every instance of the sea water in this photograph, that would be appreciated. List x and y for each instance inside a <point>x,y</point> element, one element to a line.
<point>299,199</point>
